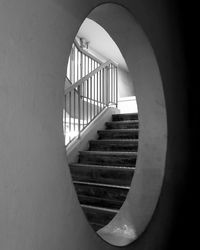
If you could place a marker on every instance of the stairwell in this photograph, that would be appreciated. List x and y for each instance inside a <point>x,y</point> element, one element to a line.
<point>103,174</point>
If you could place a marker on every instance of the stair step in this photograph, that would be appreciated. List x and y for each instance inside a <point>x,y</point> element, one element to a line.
<point>124,159</point>
<point>118,134</point>
<point>96,226</point>
<point>114,145</point>
<point>103,175</point>
<point>113,175</point>
<point>122,124</point>
<point>123,117</point>
<point>101,184</point>
<point>107,196</point>
<point>98,215</point>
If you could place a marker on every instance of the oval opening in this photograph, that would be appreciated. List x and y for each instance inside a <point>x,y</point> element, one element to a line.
<point>117,207</point>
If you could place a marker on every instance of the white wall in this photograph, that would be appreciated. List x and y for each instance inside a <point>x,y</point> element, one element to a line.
<point>128,104</point>
<point>126,84</point>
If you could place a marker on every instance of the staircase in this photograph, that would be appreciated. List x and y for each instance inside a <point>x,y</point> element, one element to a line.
<point>103,175</point>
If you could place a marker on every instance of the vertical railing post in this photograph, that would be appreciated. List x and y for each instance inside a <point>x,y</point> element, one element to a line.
<point>107,85</point>
<point>70,113</point>
<point>116,87</point>
<point>73,65</point>
<point>79,111</point>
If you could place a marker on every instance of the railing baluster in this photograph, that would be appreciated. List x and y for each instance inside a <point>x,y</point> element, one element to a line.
<point>110,85</point>
<point>100,89</point>
<point>88,81</point>
<point>107,86</point>
<point>87,98</point>
<point>87,65</point>
<point>116,88</point>
<point>90,99</point>
<point>97,92</point>
<point>64,114</point>
<point>84,65</point>
<point>75,63</point>
<point>114,82</point>
<point>93,96</point>
<point>104,78</point>
<point>74,96</point>
<point>70,114</point>
<point>83,98</point>
<point>79,111</point>
<point>78,66</point>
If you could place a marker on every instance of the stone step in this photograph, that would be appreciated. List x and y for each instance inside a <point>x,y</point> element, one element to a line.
<point>107,196</point>
<point>98,215</point>
<point>124,117</point>
<point>122,124</point>
<point>129,145</point>
<point>118,134</point>
<point>123,159</point>
<point>113,175</point>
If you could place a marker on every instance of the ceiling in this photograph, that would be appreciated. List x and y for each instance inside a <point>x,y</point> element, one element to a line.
<point>100,42</point>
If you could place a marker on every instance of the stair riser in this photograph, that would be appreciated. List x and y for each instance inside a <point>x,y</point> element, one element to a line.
<point>113,146</point>
<point>116,194</point>
<point>111,134</point>
<point>112,198</point>
<point>114,160</point>
<point>105,176</point>
<point>115,125</point>
<point>98,216</point>
<point>124,117</point>
<point>87,200</point>
<point>96,226</point>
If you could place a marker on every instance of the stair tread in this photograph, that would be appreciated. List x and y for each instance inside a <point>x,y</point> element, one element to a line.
<point>124,121</point>
<point>120,130</point>
<point>101,185</point>
<point>125,114</point>
<point>117,145</point>
<point>101,166</point>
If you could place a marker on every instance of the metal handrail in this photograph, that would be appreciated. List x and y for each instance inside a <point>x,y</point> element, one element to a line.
<point>92,73</point>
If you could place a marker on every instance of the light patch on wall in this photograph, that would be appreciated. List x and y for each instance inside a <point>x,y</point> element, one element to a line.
<point>128,104</point>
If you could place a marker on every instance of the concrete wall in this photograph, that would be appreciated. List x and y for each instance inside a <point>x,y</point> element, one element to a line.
<point>38,204</point>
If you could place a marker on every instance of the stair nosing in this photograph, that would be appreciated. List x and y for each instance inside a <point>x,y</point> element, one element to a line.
<point>116,140</point>
<point>101,185</point>
<point>101,166</point>
<point>100,208</point>
<point>136,113</point>
<point>119,129</point>
<point>124,121</point>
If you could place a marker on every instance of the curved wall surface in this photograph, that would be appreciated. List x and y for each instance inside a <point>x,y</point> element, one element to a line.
<point>147,181</point>
<point>38,204</point>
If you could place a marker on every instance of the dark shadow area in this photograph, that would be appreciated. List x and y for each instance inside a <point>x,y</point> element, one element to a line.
<point>183,234</point>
